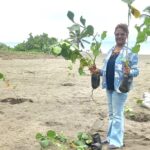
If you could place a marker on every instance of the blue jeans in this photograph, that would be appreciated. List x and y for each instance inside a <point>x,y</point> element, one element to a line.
<point>116,102</point>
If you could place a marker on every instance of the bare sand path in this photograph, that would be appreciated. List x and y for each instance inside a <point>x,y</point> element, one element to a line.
<point>42,96</point>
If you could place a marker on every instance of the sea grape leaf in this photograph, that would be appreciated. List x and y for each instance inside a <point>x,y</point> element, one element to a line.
<point>61,138</point>
<point>81,71</point>
<point>137,28</point>
<point>128,1</point>
<point>57,50</point>
<point>135,12</point>
<point>75,54</point>
<point>95,47</point>
<point>139,101</point>
<point>66,53</point>
<point>147,31</point>
<point>89,141</point>
<point>1,76</point>
<point>74,27</point>
<point>147,21</point>
<point>72,34</point>
<point>45,143</point>
<point>79,135</point>
<point>78,143</point>
<point>90,30</point>
<point>147,9</point>
<point>51,134</point>
<point>103,35</point>
<point>84,33</point>
<point>82,20</point>
<point>70,15</point>
<point>141,37</point>
<point>39,136</point>
<point>85,136</point>
<point>83,62</point>
<point>136,48</point>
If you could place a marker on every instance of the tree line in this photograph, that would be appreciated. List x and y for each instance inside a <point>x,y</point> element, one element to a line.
<point>34,43</point>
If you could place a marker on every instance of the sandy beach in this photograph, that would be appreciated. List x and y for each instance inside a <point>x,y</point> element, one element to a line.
<point>51,97</point>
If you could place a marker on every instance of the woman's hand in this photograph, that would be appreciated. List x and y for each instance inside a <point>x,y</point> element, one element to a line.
<point>127,70</point>
<point>94,70</point>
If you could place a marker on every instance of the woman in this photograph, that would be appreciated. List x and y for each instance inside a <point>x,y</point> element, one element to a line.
<point>112,74</point>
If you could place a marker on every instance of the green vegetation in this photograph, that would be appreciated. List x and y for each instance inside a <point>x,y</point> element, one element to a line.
<point>4,46</point>
<point>51,139</point>
<point>74,47</point>
<point>1,76</point>
<point>143,30</point>
<point>36,43</point>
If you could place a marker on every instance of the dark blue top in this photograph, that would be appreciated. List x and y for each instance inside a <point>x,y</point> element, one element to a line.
<point>110,72</point>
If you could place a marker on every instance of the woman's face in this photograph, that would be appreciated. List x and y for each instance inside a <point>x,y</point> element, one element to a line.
<point>120,36</point>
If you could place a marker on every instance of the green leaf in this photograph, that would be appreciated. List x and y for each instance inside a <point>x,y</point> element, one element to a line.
<point>72,34</point>
<point>141,37</point>
<point>103,35</point>
<point>90,30</point>
<point>89,141</point>
<point>128,110</point>
<point>81,71</point>
<point>139,101</point>
<point>66,53</point>
<point>1,76</point>
<point>75,55</point>
<point>45,143</point>
<point>84,147</point>
<point>95,47</point>
<point>128,1</point>
<point>84,62</point>
<point>79,135</point>
<point>136,48</point>
<point>147,31</point>
<point>82,20</point>
<point>70,15</point>
<point>85,136</point>
<point>56,50</point>
<point>70,66</point>
<point>51,134</point>
<point>84,34</point>
<point>137,28</point>
<point>79,143</point>
<point>74,27</point>
<point>39,136</point>
<point>147,21</point>
<point>61,138</point>
<point>147,9</point>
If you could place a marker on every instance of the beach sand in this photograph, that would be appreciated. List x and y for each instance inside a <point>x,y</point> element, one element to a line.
<point>44,95</point>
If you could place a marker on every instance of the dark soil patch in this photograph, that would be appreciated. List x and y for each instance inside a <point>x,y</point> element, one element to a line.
<point>67,84</point>
<point>139,117</point>
<point>13,101</point>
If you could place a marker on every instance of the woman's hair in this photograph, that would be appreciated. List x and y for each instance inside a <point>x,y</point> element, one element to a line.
<point>123,26</point>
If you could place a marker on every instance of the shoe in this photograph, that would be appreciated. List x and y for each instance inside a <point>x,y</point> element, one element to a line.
<point>113,147</point>
<point>105,142</point>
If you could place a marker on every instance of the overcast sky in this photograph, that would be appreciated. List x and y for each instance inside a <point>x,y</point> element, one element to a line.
<point>20,17</point>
